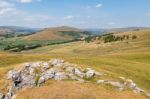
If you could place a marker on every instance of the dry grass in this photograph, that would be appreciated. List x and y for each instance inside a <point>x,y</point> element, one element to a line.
<point>51,34</point>
<point>74,90</point>
<point>130,60</point>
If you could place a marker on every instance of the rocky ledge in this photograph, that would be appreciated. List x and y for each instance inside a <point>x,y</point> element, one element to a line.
<point>37,73</point>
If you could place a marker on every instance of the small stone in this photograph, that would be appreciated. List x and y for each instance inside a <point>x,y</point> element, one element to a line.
<point>1,96</point>
<point>41,80</point>
<point>115,84</point>
<point>70,69</point>
<point>57,62</point>
<point>45,65</point>
<point>10,74</point>
<point>138,90</point>
<point>36,64</point>
<point>120,89</point>
<point>79,73</point>
<point>101,81</point>
<point>27,65</point>
<point>8,96</point>
<point>90,74</point>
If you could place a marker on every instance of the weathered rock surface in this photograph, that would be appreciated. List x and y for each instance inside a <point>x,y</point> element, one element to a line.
<point>36,73</point>
<point>1,96</point>
<point>127,83</point>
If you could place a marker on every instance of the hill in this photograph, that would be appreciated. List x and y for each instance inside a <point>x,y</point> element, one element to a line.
<point>11,31</point>
<point>117,30</point>
<point>57,33</point>
<point>128,58</point>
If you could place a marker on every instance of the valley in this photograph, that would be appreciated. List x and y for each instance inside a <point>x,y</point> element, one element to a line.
<point>128,58</point>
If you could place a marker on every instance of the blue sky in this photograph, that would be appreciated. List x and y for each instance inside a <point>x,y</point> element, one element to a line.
<point>78,13</point>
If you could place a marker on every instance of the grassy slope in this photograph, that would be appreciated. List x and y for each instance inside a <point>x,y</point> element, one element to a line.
<point>52,34</point>
<point>117,59</point>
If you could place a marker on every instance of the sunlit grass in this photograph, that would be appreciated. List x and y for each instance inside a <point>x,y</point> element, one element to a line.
<point>130,60</point>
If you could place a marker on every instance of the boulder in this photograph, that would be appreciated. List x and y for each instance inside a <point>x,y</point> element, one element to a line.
<point>90,73</point>
<point>15,76</point>
<point>45,65</point>
<point>70,69</point>
<point>27,65</point>
<point>39,72</point>
<point>56,62</point>
<point>60,76</point>
<point>101,81</point>
<point>28,81</point>
<point>41,80</point>
<point>8,96</point>
<point>36,64</point>
<point>115,84</point>
<point>10,74</point>
<point>46,76</point>
<point>130,84</point>
<point>79,73</point>
<point>31,70</point>
<point>119,85</point>
<point>2,96</point>
<point>138,90</point>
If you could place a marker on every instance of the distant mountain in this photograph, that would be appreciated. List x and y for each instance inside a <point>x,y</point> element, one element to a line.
<point>99,31</point>
<point>95,30</point>
<point>58,33</point>
<point>116,30</point>
<point>16,30</point>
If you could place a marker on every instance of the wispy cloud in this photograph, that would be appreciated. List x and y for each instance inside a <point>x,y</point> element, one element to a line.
<point>69,17</point>
<point>6,7</point>
<point>99,5</point>
<point>28,1</point>
<point>111,23</point>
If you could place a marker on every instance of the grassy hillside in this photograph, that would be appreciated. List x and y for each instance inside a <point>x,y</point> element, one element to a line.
<point>45,37</point>
<point>58,33</point>
<point>119,58</point>
<point>13,31</point>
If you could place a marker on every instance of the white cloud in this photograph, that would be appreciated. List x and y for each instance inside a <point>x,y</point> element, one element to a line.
<point>99,5</point>
<point>4,4</point>
<point>111,23</point>
<point>69,17</point>
<point>7,10</point>
<point>28,1</point>
<point>6,7</point>
<point>93,7</point>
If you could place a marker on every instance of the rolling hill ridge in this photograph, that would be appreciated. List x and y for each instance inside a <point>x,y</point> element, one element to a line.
<point>58,33</point>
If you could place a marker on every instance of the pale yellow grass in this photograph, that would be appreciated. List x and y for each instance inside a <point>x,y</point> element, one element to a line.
<point>75,90</point>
